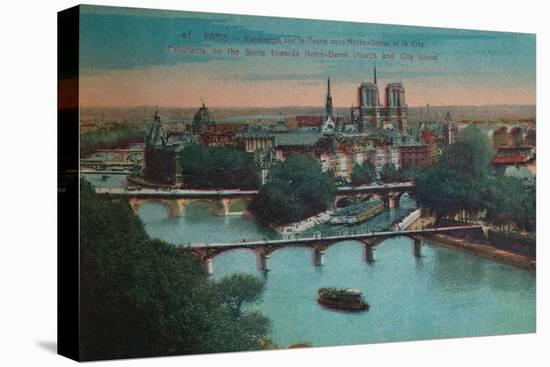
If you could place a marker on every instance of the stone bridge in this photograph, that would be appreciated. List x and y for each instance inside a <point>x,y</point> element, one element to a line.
<point>319,244</point>
<point>234,201</point>
<point>176,201</point>
<point>389,194</point>
<point>132,154</point>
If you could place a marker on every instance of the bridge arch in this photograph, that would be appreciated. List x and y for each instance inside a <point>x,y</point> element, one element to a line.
<point>214,206</point>
<point>238,205</point>
<point>335,243</point>
<point>399,196</point>
<point>344,202</point>
<point>261,256</point>
<point>317,251</point>
<point>173,209</point>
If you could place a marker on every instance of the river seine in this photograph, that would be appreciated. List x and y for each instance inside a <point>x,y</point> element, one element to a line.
<point>443,294</point>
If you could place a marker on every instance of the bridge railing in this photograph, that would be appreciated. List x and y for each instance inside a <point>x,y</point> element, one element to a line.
<point>333,236</point>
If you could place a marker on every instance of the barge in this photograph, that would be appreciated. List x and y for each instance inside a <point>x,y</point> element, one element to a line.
<point>344,299</point>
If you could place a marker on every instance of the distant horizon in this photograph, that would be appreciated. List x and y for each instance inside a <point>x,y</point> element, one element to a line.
<point>152,106</point>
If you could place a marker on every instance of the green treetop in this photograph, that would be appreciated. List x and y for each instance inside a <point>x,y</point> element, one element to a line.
<point>218,167</point>
<point>363,174</point>
<point>389,173</point>
<point>296,189</point>
<point>459,181</point>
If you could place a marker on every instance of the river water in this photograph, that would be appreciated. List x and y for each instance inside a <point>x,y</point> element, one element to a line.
<point>443,294</point>
<point>105,180</point>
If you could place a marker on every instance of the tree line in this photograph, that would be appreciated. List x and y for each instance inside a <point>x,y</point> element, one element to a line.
<point>113,137</point>
<point>463,184</point>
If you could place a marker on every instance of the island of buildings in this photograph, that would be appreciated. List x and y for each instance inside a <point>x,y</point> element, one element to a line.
<point>374,132</point>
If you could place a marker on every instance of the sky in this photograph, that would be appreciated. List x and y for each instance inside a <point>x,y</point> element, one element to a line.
<point>136,57</point>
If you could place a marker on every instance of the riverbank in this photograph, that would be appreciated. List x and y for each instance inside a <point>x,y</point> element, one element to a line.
<point>303,225</point>
<point>487,251</point>
<point>476,248</point>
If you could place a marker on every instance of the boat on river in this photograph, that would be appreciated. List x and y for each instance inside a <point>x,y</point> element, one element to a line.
<point>367,214</point>
<point>358,215</point>
<point>345,299</point>
<point>341,219</point>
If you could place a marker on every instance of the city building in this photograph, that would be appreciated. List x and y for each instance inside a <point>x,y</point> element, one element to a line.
<point>256,138</point>
<point>309,123</point>
<point>516,136</point>
<point>450,130</point>
<point>160,159</point>
<point>371,114</point>
<point>202,120</point>
<point>344,152</point>
<point>219,135</point>
<point>375,133</point>
<point>429,139</point>
<point>415,155</point>
<point>500,137</point>
<point>161,154</point>
<point>511,155</point>
<point>297,143</point>
<point>385,154</point>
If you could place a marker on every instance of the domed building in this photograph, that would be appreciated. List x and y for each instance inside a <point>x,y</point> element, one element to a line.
<point>202,120</point>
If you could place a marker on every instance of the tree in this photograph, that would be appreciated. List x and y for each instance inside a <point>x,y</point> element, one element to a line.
<point>141,297</point>
<point>526,216</point>
<point>363,174</point>
<point>218,167</point>
<point>459,183</point>
<point>437,190</point>
<point>239,289</point>
<point>296,189</point>
<point>470,157</point>
<point>510,204</point>
<point>389,173</point>
<point>411,173</point>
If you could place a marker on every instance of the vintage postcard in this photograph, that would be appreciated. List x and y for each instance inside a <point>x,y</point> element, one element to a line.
<point>257,183</point>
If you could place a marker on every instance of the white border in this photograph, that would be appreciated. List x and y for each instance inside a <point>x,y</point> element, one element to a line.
<point>28,183</point>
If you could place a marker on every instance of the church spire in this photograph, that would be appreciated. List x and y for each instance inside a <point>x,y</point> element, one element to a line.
<point>329,110</point>
<point>157,116</point>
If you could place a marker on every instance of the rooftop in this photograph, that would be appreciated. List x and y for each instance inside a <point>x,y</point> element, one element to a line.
<point>511,159</point>
<point>297,139</point>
